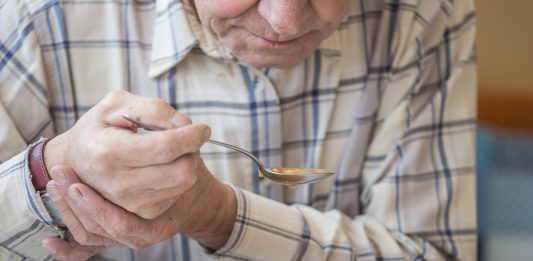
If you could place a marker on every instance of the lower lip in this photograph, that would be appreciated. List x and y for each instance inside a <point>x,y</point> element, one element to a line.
<point>273,44</point>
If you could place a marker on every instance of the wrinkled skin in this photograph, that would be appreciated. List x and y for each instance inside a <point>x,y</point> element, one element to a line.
<point>261,33</point>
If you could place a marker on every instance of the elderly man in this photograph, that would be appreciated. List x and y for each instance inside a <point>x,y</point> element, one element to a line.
<point>381,91</point>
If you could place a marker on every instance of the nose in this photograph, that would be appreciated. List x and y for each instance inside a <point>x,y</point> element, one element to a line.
<point>286,17</point>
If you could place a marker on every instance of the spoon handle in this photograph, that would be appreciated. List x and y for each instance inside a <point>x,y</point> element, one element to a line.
<point>241,150</point>
<point>151,127</point>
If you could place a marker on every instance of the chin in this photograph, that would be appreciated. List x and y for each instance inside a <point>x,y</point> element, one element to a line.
<point>261,64</point>
<point>261,61</point>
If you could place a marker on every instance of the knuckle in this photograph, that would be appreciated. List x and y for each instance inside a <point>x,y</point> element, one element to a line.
<point>183,119</point>
<point>119,228</point>
<point>114,95</point>
<point>159,106</point>
<point>197,138</point>
<point>101,156</point>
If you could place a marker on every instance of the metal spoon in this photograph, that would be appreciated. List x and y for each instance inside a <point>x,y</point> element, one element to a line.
<point>285,176</point>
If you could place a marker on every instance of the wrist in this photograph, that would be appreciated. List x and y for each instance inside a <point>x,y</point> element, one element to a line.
<point>52,153</point>
<point>40,177</point>
<point>219,211</point>
<point>37,166</point>
<point>221,227</point>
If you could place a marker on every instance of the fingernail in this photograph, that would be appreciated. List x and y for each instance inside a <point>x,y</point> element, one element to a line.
<point>207,133</point>
<point>51,250</point>
<point>58,175</point>
<point>51,187</point>
<point>76,195</point>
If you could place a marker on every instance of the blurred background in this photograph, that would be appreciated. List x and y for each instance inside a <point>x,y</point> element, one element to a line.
<point>505,130</point>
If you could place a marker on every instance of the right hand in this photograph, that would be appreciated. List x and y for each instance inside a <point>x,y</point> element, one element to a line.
<point>142,172</point>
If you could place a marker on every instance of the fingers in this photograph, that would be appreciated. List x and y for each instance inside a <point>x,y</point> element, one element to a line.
<point>77,229</point>
<point>167,179</point>
<point>157,147</point>
<point>151,111</point>
<point>173,121</point>
<point>81,227</point>
<point>72,208</point>
<point>150,191</point>
<point>117,222</point>
<point>66,251</point>
<point>135,150</point>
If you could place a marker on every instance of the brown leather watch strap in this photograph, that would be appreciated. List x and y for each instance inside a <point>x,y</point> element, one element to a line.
<point>39,173</point>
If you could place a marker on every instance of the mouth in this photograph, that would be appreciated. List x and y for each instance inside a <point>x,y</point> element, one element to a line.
<point>279,44</point>
<point>274,44</point>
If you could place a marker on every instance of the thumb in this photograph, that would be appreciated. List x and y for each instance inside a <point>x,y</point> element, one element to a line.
<point>62,250</point>
<point>63,176</point>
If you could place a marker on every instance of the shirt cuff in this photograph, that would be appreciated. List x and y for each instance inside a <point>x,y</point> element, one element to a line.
<point>35,200</point>
<point>24,219</point>
<point>264,230</point>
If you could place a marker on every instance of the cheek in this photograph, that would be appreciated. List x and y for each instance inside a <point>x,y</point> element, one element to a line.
<point>223,8</point>
<point>330,11</point>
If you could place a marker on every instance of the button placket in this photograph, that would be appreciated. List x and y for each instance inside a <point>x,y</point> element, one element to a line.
<point>270,127</point>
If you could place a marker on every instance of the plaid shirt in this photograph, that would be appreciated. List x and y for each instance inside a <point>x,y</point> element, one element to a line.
<point>388,101</point>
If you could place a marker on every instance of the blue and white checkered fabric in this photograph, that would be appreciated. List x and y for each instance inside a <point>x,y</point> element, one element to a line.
<point>388,101</point>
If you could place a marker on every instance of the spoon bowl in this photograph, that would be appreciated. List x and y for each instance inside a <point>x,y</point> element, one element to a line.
<point>295,176</point>
<point>284,176</point>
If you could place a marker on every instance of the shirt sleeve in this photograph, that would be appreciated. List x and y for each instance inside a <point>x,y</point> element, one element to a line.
<point>24,118</point>
<point>24,219</point>
<point>417,187</point>
<point>269,230</point>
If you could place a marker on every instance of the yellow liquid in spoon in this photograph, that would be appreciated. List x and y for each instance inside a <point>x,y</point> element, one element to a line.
<point>286,175</point>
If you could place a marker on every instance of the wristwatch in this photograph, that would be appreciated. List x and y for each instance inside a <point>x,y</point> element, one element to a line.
<point>40,177</point>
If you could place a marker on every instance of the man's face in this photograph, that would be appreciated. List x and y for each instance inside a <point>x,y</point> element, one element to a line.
<point>272,33</point>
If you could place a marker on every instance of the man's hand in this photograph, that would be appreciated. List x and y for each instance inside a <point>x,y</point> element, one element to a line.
<point>142,172</point>
<point>205,212</point>
<point>69,251</point>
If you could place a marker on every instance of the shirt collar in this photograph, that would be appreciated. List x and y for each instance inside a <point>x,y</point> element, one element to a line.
<point>177,31</point>
<point>172,40</point>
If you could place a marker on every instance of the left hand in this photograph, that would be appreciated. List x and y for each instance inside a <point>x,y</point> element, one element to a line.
<point>62,250</point>
<point>206,212</point>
